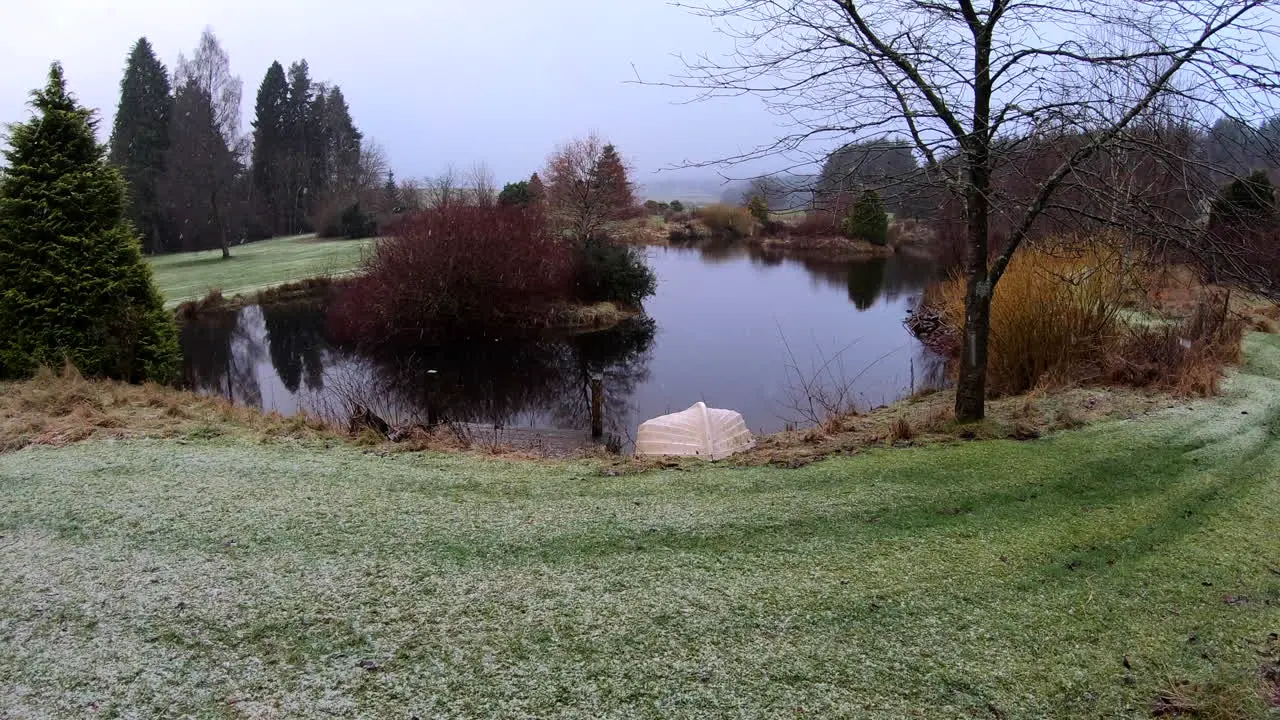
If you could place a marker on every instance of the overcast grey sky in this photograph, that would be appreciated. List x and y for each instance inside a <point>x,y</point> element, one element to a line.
<point>433,81</point>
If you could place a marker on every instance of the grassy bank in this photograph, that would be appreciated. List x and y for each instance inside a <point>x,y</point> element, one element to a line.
<point>255,266</point>
<point>1106,572</point>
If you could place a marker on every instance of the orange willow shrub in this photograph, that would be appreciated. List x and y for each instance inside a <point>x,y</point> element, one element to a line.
<point>1052,314</point>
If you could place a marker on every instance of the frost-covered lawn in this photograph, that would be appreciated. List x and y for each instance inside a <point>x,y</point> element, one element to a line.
<point>225,577</point>
<point>253,266</point>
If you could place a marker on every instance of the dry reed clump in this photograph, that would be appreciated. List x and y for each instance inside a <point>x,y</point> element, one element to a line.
<point>56,408</point>
<point>1230,697</point>
<point>931,419</point>
<point>816,224</point>
<point>1051,314</point>
<point>1056,321</point>
<point>1176,291</point>
<point>642,232</point>
<point>909,233</point>
<point>728,221</point>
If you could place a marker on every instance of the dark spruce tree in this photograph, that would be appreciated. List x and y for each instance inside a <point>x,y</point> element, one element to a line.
<point>333,147</point>
<point>270,154</point>
<point>297,151</point>
<point>537,190</point>
<point>73,284</point>
<point>1250,199</point>
<point>391,200</point>
<point>140,137</point>
<point>340,151</point>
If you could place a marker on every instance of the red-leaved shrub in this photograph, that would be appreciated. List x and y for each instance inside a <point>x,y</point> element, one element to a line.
<point>453,270</point>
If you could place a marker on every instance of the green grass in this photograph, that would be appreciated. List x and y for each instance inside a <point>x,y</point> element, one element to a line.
<point>217,577</point>
<point>252,267</point>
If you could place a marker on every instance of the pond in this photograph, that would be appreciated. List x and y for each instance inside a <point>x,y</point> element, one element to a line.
<point>781,340</point>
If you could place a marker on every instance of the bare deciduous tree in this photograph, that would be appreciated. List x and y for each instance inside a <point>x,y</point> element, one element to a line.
<point>411,194</point>
<point>481,185</point>
<point>442,190</point>
<point>974,84</point>
<point>207,147</point>
<point>580,199</point>
<point>370,169</point>
<point>210,69</point>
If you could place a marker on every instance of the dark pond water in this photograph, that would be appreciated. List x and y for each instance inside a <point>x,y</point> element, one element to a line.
<point>731,327</point>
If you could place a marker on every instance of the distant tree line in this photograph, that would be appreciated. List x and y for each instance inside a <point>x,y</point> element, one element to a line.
<point>1231,149</point>
<point>197,181</point>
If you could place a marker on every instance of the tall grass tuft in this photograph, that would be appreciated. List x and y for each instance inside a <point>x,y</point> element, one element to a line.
<point>1187,357</point>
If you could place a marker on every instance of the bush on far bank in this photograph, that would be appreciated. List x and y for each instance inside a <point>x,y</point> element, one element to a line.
<point>867,219</point>
<point>461,269</point>
<point>452,269</point>
<point>608,272</point>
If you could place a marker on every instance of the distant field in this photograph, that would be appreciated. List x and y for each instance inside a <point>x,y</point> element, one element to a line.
<point>255,266</point>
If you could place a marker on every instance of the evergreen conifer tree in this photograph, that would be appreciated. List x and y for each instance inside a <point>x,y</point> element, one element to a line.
<point>73,284</point>
<point>867,219</point>
<point>537,191</point>
<point>1250,199</point>
<point>200,174</point>
<point>391,200</point>
<point>298,137</point>
<point>611,174</point>
<point>140,137</point>
<point>515,194</point>
<point>270,154</point>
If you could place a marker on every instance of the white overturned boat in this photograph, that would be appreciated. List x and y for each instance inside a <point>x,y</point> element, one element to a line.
<point>706,432</point>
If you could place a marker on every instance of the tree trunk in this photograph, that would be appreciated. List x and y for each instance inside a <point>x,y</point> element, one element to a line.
<point>222,226</point>
<point>971,385</point>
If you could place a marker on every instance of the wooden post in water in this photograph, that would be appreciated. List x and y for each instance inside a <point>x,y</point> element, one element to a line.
<point>433,411</point>
<point>597,405</point>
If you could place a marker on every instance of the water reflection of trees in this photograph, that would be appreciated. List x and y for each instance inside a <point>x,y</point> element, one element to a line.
<point>295,337</point>
<point>493,381</point>
<point>621,357</point>
<point>866,281</point>
<point>717,251</point>
<point>220,351</point>
<point>503,381</point>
